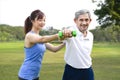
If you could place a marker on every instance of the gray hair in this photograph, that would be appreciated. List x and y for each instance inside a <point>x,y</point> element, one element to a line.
<point>81,12</point>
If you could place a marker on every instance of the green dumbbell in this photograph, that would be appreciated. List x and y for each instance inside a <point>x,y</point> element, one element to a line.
<point>61,34</point>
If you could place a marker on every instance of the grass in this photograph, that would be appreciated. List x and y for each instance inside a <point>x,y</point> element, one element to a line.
<point>106,58</point>
<point>106,61</point>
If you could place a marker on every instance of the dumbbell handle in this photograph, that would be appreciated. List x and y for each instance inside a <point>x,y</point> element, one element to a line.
<point>61,34</point>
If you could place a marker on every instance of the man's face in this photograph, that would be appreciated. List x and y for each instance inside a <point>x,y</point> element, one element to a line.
<point>83,22</point>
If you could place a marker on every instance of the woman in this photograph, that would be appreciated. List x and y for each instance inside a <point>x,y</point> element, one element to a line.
<point>35,45</point>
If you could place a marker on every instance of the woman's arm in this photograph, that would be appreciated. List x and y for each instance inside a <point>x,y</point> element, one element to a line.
<point>35,38</point>
<point>31,39</point>
<point>53,48</point>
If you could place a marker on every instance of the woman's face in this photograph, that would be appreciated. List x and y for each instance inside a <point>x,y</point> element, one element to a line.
<point>83,22</point>
<point>39,23</point>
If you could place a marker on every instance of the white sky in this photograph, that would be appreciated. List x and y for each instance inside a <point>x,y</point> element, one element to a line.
<point>59,13</point>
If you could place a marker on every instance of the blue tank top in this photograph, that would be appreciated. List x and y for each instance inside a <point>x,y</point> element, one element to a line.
<point>32,64</point>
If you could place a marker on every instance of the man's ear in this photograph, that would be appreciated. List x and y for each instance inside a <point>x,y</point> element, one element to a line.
<point>90,20</point>
<point>75,20</point>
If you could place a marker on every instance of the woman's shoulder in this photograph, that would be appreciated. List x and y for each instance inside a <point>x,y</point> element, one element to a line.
<point>29,34</point>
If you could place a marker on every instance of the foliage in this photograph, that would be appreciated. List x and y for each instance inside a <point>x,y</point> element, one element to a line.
<point>49,31</point>
<point>109,34</point>
<point>108,13</point>
<point>9,33</point>
<point>12,33</point>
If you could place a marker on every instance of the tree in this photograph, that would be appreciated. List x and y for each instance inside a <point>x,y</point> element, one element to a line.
<point>108,13</point>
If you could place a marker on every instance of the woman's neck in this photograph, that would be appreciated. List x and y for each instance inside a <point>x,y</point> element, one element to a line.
<point>35,30</point>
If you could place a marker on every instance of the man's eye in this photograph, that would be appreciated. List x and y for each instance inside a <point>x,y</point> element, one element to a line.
<point>81,20</point>
<point>86,19</point>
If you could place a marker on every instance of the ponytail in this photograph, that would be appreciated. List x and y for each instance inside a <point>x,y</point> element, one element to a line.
<point>27,25</point>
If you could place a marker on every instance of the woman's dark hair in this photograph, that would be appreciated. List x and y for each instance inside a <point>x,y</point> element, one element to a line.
<point>28,24</point>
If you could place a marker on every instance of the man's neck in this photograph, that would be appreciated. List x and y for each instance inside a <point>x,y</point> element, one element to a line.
<point>84,33</point>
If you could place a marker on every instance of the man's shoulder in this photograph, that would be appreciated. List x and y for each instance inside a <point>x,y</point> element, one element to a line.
<point>90,33</point>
